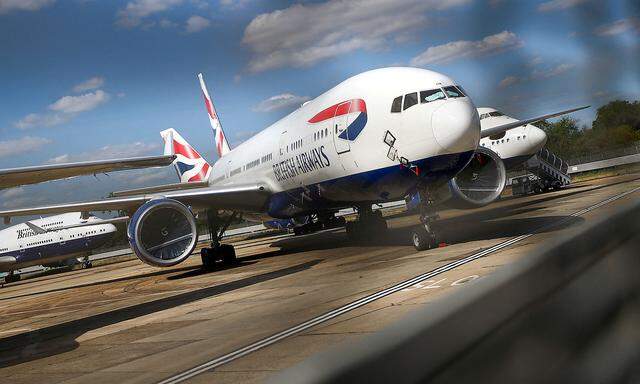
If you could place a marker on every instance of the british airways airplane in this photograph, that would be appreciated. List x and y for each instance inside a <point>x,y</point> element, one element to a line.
<point>376,137</point>
<point>51,241</point>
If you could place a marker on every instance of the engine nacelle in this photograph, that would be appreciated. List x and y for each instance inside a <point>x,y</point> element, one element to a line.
<point>480,183</point>
<point>163,232</point>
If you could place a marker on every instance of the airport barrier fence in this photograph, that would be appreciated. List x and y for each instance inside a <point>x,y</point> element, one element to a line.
<point>632,149</point>
<point>568,313</point>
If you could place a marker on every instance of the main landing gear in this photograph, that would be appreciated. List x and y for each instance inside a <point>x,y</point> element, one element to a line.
<point>319,222</point>
<point>424,236</point>
<point>218,252</point>
<point>369,223</point>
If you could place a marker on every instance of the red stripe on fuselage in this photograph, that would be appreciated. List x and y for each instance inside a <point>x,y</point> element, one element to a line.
<point>355,105</point>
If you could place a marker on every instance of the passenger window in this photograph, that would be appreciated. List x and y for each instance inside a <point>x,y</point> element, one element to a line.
<point>432,95</point>
<point>410,99</point>
<point>453,92</point>
<point>396,106</point>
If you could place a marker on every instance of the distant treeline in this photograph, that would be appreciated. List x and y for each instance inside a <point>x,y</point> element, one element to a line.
<point>617,125</point>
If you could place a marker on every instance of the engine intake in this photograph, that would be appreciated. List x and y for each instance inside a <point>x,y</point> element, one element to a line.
<point>480,183</point>
<point>163,232</point>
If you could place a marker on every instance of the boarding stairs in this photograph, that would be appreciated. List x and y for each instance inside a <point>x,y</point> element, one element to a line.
<point>546,172</point>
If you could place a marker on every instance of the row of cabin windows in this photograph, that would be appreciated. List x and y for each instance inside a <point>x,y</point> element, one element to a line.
<point>321,134</point>
<point>422,97</point>
<point>50,224</point>
<point>246,167</point>
<point>499,139</point>
<point>4,249</point>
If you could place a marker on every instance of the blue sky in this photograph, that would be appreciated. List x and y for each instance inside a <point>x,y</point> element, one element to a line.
<point>88,79</point>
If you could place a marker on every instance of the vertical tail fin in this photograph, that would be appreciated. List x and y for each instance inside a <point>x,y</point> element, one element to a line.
<point>189,164</point>
<point>221,140</point>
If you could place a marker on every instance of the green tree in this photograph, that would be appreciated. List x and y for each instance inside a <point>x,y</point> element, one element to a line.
<point>617,113</point>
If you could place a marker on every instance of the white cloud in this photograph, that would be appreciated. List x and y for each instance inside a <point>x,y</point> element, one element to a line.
<point>136,11</point>
<point>196,24</point>
<point>115,151</point>
<point>7,6</point>
<point>166,23</point>
<point>12,192</point>
<point>287,37</point>
<point>508,81</point>
<point>555,5</point>
<point>41,120</point>
<point>82,103</point>
<point>454,50</point>
<point>619,26</point>
<point>285,100</point>
<point>23,145</point>
<point>552,72</point>
<point>92,83</point>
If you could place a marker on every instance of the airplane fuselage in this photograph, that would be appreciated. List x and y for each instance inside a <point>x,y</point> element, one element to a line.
<point>21,247</point>
<point>330,153</point>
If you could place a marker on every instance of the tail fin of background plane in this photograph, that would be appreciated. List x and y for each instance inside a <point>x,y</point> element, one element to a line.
<point>189,164</point>
<point>221,140</point>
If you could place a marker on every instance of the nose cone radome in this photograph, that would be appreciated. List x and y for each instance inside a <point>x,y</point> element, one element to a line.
<point>456,126</point>
<point>537,137</point>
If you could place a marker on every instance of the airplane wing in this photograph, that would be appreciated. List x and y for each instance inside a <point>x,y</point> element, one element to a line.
<point>160,188</point>
<point>37,174</point>
<point>505,127</point>
<point>251,197</point>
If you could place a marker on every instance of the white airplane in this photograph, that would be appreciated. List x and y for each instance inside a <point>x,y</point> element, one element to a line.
<point>514,146</point>
<point>375,137</point>
<point>51,241</point>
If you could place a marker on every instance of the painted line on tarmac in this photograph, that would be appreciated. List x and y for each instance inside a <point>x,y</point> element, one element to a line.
<point>202,368</point>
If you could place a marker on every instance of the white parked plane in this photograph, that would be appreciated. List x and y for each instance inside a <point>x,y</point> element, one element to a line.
<point>514,146</point>
<point>51,241</point>
<point>375,137</point>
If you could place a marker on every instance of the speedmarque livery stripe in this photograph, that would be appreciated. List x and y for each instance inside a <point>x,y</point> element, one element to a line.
<point>373,297</point>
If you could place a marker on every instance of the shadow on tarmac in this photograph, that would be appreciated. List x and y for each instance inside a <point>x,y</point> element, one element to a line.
<point>61,338</point>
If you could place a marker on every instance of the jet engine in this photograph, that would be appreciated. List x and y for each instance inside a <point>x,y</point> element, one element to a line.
<point>163,232</point>
<point>481,182</point>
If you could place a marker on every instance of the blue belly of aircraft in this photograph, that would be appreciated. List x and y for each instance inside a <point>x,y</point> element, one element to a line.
<point>379,185</point>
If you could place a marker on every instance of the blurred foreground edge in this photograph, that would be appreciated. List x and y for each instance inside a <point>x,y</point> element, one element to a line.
<point>567,313</point>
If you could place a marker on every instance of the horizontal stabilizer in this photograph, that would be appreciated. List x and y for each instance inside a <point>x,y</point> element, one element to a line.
<point>505,127</point>
<point>37,174</point>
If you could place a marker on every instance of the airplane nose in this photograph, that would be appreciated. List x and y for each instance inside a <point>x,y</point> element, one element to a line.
<point>456,126</point>
<point>538,137</point>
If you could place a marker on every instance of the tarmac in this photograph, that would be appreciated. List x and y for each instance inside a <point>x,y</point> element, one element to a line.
<point>131,323</point>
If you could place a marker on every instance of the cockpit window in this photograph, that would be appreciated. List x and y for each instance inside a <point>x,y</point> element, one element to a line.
<point>484,116</point>
<point>495,114</point>
<point>410,99</point>
<point>431,95</point>
<point>464,93</point>
<point>396,106</point>
<point>453,92</point>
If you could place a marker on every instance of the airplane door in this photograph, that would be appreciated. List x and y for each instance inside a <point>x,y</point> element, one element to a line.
<point>340,126</point>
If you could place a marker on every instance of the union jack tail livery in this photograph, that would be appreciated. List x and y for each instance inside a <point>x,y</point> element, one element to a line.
<point>221,140</point>
<point>189,164</point>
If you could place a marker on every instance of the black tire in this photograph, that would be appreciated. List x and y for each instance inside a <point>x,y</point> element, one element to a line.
<point>87,264</point>
<point>207,255</point>
<point>423,240</point>
<point>11,278</point>
<point>299,231</point>
<point>228,254</point>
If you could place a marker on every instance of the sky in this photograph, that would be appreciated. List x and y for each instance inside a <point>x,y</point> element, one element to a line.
<point>88,79</point>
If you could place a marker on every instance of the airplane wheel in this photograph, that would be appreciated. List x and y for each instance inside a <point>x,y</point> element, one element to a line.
<point>423,239</point>
<point>87,264</point>
<point>11,278</point>
<point>208,259</point>
<point>228,254</point>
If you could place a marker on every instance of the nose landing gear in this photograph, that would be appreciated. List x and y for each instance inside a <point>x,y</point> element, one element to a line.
<point>424,236</point>
<point>217,252</point>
